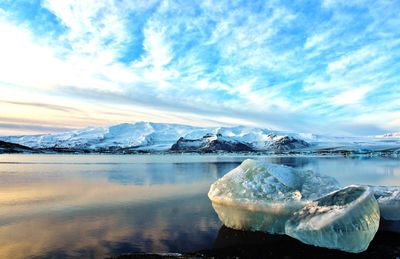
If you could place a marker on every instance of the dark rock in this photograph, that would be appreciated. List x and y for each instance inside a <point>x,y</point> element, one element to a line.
<point>287,143</point>
<point>209,143</point>
<point>8,147</point>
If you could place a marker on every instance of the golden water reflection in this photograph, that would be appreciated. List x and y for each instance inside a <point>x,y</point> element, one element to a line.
<point>85,219</point>
<point>97,206</point>
<point>103,209</point>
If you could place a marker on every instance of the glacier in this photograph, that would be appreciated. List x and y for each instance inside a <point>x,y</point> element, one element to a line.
<point>346,219</point>
<point>261,196</point>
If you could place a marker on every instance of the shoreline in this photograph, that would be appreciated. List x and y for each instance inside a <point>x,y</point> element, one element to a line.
<point>232,243</point>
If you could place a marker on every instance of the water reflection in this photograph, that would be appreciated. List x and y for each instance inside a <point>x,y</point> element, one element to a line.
<point>96,210</point>
<point>348,170</point>
<point>163,173</point>
<point>174,225</point>
<point>96,206</point>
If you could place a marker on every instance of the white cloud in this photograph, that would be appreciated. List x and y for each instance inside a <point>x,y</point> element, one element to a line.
<point>316,40</point>
<point>157,47</point>
<point>158,54</point>
<point>358,57</point>
<point>31,63</point>
<point>24,61</point>
<point>95,28</point>
<point>208,59</point>
<point>388,121</point>
<point>350,96</point>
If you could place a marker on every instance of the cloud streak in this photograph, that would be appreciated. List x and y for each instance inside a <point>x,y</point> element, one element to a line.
<point>303,67</point>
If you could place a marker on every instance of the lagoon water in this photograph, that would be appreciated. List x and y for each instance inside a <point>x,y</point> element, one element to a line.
<point>95,206</point>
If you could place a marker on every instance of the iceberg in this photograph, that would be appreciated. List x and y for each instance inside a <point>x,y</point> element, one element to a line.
<point>388,198</point>
<point>310,207</point>
<point>261,196</point>
<point>346,219</point>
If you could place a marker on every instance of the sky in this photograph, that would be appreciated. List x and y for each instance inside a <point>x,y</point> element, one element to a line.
<point>327,66</point>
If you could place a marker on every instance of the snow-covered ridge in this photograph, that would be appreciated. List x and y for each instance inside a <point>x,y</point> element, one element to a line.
<point>148,136</point>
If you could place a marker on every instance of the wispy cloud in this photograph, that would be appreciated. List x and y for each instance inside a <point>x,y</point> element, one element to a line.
<point>300,66</point>
<point>353,96</point>
<point>42,105</point>
<point>22,128</point>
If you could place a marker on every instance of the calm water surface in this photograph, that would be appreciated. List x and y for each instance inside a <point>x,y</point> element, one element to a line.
<point>102,205</point>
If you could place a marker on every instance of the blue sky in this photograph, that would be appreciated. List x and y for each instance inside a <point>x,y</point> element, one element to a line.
<point>330,67</point>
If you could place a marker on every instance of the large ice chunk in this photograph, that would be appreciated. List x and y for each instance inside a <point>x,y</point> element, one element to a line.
<point>388,198</point>
<point>261,196</point>
<point>346,219</point>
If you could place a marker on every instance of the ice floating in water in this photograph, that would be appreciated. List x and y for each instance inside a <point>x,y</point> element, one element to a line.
<point>302,204</point>
<point>260,196</point>
<point>346,219</point>
<point>388,198</point>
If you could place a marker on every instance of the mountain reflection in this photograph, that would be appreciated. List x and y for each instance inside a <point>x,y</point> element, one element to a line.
<point>160,173</point>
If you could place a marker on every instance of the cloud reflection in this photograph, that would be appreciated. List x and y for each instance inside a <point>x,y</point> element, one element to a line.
<point>52,207</point>
<point>175,225</point>
<point>97,206</point>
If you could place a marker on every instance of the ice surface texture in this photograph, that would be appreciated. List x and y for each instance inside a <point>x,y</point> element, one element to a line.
<point>261,196</point>
<point>388,198</point>
<point>307,206</point>
<point>346,219</point>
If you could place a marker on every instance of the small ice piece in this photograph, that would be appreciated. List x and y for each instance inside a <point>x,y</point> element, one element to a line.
<point>260,196</point>
<point>388,198</point>
<point>346,219</point>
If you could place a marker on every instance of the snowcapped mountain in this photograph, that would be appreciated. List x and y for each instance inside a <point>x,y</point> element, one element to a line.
<point>247,142</point>
<point>122,135</point>
<point>210,143</point>
<point>148,137</point>
<point>161,137</point>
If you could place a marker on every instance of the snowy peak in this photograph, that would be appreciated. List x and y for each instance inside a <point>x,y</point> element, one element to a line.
<point>162,137</point>
<point>210,143</point>
<point>286,143</point>
<point>126,135</point>
<point>226,140</point>
<point>149,137</point>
